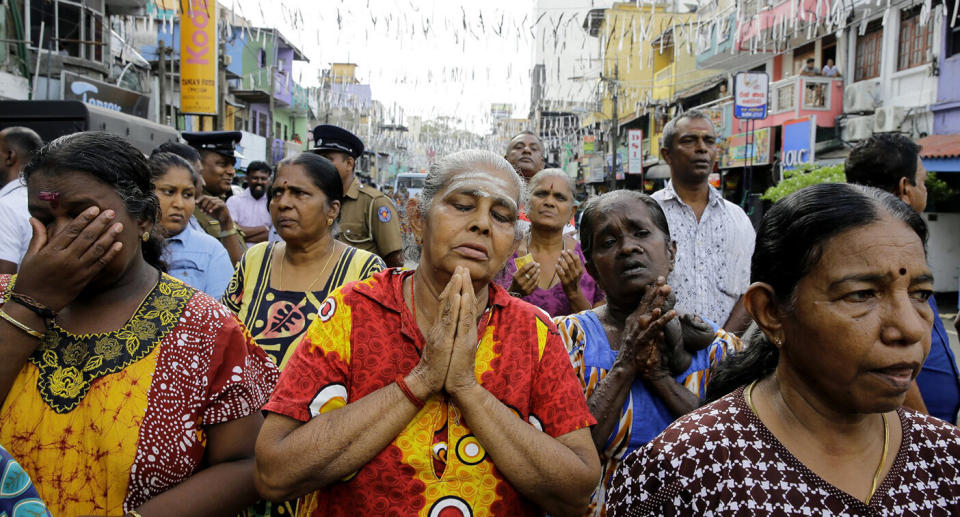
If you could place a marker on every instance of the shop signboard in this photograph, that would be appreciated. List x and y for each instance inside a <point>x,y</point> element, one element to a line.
<point>738,151</point>
<point>799,139</point>
<point>588,144</point>
<point>90,91</point>
<point>750,92</point>
<point>198,58</point>
<point>634,151</point>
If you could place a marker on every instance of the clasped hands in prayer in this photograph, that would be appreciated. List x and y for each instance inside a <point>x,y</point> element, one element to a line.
<point>448,358</point>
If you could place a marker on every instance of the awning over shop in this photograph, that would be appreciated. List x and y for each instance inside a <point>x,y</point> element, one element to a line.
<point>941,153</point>
<point>701,87</point>
<point>658,172</point>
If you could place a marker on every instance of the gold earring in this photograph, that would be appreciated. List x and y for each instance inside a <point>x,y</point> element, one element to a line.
<point>778,341</point>
<point>329,221</point>
<point>145,237</point>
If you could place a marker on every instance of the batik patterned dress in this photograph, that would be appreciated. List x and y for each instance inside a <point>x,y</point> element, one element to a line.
<point>277,318</point>
<point>105,422</point>
<point>364,336</point>
<point>643,415</point>
<point>722,460</point>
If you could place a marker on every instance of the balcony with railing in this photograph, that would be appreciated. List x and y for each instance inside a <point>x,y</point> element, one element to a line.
<point>802,96</point>
<point>790,98</point>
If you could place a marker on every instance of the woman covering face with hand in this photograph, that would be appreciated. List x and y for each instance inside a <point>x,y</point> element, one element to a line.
<point>434,390</point>
<point>191,255</point>
<point>637,375</point>
<point>123,388</point>
<point>814,422</point>
<point>547,268</point>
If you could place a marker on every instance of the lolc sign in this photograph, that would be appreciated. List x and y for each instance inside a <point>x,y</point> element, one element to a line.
<point>798,142</point>
<point>198,57</point>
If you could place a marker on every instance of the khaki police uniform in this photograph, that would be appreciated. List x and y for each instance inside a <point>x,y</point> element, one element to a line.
<point>369,220</point>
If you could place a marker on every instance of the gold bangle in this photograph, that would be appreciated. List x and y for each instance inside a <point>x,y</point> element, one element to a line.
<point>132,513</point>
<point>228,233</point>
<point>21,326</point>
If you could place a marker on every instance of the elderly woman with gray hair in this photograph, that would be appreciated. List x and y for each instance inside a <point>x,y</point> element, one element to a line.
<point>547,268</point>
<point>433,391</point>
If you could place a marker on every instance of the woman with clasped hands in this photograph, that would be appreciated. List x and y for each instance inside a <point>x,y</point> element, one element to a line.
<point>434,391</point>
<point>809,419</point>
<point>125,391</point>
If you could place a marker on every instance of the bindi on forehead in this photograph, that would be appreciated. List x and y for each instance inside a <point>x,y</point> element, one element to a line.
<point>903,271</point>
<point>51,197</point>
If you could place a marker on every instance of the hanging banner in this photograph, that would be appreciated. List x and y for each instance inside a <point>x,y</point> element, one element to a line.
<point>588,144</point>
<point>750,91</point>
<point>799,137</point>
<point>634,151</point>
<point>198,57</point>
<point>739,151</point>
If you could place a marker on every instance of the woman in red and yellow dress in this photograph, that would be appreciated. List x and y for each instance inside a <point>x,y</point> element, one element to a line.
<point>124,390</point>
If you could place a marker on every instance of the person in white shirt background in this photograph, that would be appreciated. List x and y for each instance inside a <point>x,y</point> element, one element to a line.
<point>249,208</point>
<point>714,236</point>
<point>18,145</point>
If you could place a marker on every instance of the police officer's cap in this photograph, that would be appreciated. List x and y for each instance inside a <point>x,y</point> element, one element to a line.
<point>333,138</point>
<point>220,142</point>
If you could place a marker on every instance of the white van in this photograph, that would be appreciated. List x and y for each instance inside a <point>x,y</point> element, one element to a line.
<point>412,181</point>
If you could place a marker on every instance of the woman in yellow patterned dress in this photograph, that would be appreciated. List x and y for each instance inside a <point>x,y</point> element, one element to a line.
<point>124,390</point>
<point>278,287</point>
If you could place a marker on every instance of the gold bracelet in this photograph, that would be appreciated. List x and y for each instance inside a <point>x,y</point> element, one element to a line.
<point>228,233</point>
<point>21,326</point>
<point>132,513</point>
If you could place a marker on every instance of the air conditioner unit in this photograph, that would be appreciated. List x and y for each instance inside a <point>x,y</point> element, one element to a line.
<point>859,128</point>
<point>859,97</point>
<point>888,119</point>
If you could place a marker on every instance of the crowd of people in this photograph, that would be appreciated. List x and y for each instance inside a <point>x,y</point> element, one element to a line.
<point>175,345</point>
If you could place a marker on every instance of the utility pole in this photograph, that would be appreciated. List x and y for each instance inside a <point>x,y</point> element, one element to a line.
<point>162,72</point>
<point>222,79</point>
<point>270,137</point>
<point>615,130</point>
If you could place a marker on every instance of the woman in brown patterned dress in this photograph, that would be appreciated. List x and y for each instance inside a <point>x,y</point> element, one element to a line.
<point>814,423</point>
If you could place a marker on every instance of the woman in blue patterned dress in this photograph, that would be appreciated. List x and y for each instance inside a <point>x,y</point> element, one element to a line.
<point>637,381</point>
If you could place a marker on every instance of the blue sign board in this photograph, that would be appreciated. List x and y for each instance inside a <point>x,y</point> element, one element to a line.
<point>750,92</point>
<point>799,138</point>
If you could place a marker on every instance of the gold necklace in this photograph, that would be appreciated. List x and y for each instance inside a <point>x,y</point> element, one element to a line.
<point>748,395</point>
<point>319,275</point>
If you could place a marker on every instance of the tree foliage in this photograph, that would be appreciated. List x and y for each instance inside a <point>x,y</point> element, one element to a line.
<point>804,176</point>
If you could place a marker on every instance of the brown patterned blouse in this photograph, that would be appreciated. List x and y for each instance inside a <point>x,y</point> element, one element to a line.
<point>721,460</point>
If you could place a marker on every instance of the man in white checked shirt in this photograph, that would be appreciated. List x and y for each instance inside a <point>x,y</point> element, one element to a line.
<point>714,236</point>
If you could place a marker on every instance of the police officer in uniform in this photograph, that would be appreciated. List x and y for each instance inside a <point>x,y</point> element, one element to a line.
<point>218,155</point>
<point>368,218</point>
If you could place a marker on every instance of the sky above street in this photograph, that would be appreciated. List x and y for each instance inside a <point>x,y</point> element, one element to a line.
<point>424,57</point>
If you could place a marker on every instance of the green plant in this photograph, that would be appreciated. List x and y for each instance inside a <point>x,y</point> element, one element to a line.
<point>804,176</point>
<point>938,191</point>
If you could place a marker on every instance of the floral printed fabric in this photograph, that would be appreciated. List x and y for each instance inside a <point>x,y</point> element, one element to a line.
<point>141,430</point>
<point>712,267</point>
<point>364,337</point>
<point>722,460</point>
<point>69,364</point>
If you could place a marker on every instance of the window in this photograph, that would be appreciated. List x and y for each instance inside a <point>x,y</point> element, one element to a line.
<point>915,39</point>
<point>75,29</point>
<point>868,53</point>
<point>953,40</point>
<point>262,124</point>
<point>262,58</point>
